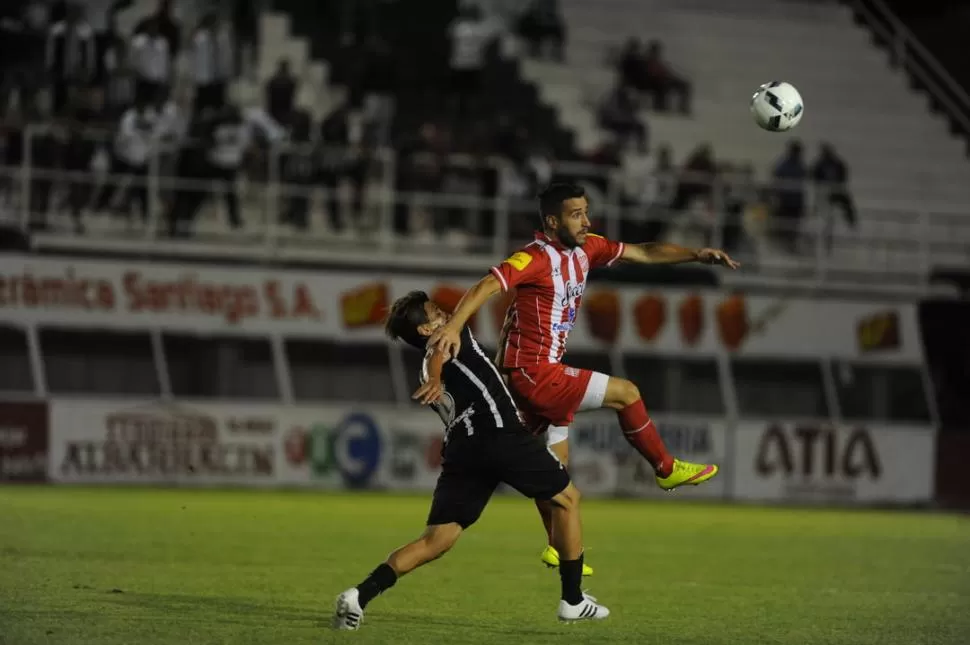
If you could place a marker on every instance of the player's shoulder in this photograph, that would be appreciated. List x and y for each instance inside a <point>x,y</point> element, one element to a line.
<point>596,239</point>
<point>526,256</point>
<point>597,244</point>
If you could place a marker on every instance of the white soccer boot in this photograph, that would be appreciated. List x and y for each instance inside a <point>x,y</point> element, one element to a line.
<point>588,609</point>
<point>348,614</point>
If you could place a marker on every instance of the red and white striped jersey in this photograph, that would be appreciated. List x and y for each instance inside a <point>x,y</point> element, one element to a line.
<point>549,281</point>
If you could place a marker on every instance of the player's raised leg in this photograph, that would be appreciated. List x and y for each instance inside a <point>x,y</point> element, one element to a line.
<point>641,433</point>
<point>434,542</point>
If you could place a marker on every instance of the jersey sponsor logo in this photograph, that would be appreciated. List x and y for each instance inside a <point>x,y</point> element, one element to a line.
<point>572,371</point>
<point>568,324</point>
<point>572,291</point>
<point>519,261</point>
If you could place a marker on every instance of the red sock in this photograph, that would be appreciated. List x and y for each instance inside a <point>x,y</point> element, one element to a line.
<point>641,433</point>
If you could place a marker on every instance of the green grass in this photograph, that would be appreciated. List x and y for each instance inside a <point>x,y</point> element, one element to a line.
<point>127,566</point>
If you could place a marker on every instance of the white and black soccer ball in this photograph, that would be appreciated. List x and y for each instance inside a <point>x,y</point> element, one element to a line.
<point>777,106</point>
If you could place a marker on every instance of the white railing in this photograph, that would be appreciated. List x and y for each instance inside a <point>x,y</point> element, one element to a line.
<point>451,222</point>
<point>910,54</point>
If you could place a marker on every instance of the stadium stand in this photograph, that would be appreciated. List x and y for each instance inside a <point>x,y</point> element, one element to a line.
<point>854,99</point>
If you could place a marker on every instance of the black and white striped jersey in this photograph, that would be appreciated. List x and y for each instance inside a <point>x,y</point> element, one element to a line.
<point>475,395</point>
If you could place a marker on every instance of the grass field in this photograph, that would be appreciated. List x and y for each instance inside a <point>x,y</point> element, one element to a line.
<point>126,566</point>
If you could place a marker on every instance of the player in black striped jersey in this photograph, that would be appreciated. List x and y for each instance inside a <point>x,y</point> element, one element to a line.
<point>485,444</point>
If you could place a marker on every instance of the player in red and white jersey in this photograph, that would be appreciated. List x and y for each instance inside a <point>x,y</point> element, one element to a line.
<point>549,278</point>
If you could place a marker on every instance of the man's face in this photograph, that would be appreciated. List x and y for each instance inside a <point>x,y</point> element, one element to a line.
<point>572,225</point>
<point>436,318</point>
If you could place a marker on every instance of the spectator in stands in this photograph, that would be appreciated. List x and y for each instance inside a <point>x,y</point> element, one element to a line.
<point>831,175</point>
<point>378,84</point>
<point>649,186</point>
<point>341,159</point>
<point>212,68</point>
<point>228,145</point>
<point>76,158</point>
<point>245,26</point>
<point>609,153</point>
<point>630,65</point>
<point>697,178</point>
<point>737,190</point>
<point>659,80</point>
<point>618,114</point>
<point>298,170</point>
<point>71,57</point>
<point>229,133</point>
<point>191,171</point>
<point>421,167</point>
<point>22,43</point>
<point>135,144</point>
<point>151,60</point>
<point>542,22</point>
<point>281,93</point>
<point>470,38</point>
<point>790,175</point>
<point>113,74</point>
<point>44,151</point>
<point>163,23</point>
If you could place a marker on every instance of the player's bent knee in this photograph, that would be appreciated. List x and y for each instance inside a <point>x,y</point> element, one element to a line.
<point>621,393</point>
<point>568,498</point>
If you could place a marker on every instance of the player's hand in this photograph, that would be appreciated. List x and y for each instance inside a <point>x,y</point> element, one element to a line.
<point>429,392</point>
<point>446,340</point>
<point>716,256</point>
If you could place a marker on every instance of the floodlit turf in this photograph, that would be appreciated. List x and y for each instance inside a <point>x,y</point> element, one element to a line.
<point>124,567</point>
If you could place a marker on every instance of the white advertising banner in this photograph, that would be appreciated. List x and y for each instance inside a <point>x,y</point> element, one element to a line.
<point>820,463</point>
<point>209,443</point>
<point>328,447</point>
<point>350,306</point>
<point>241,444</point>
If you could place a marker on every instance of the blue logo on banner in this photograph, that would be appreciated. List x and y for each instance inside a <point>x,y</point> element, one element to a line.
<point>353,447</point>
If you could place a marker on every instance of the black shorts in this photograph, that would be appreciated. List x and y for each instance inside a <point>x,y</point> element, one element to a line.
<point>473,466</point>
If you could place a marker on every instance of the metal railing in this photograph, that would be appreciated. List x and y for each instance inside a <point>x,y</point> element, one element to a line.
<point>456,212</point>
<point>910,54</point>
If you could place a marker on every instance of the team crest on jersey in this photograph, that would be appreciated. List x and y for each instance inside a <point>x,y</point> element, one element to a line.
<point>584,262</point>
<point>520,260</point>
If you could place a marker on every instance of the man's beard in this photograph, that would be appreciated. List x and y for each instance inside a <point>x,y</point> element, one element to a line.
<point>567,240</point>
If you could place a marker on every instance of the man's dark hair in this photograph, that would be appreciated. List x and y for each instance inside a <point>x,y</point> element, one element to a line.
<point>406,315</point>
<point>551,199</point>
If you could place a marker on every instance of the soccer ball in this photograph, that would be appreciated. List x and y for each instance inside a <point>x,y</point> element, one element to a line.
<point>777,106</point>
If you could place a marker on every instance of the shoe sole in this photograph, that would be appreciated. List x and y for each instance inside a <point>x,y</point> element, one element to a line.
<point>570,621</point>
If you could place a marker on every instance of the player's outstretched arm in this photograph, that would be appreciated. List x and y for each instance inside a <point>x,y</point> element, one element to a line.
<point>447,338</point>
<point>663,253</point>
<point>431,384</point>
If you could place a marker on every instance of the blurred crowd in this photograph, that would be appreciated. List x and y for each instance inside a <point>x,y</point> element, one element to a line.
<point>109,109</point>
